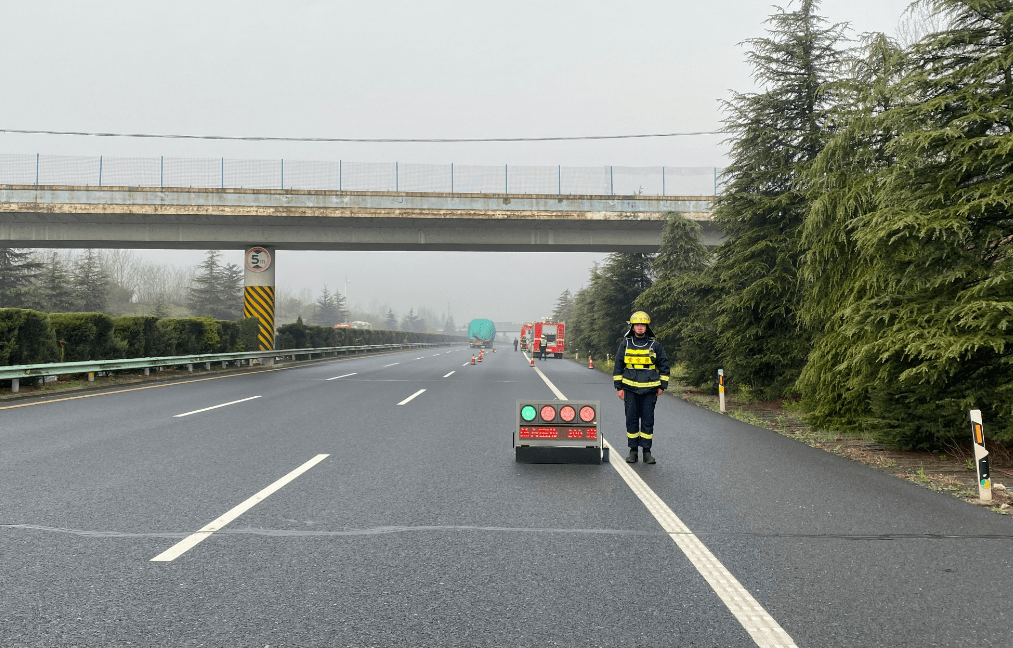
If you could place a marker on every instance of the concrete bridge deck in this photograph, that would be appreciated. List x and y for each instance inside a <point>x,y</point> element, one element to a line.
<point>202,218</point>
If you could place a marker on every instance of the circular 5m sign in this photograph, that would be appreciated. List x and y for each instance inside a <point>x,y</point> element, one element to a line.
<point>258,259</point>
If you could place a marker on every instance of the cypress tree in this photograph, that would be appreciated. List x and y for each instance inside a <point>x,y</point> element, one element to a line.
<point>203,297</point>
<point>775,135</point>
<point>327,313</point>
<point>670,300</point>
<point>846,180</point>
<point>18,271</point>
<point>930,323</point>
<point>91,283</point>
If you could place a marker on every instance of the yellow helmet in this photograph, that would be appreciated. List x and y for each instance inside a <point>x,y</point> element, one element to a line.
<point>640,317</point>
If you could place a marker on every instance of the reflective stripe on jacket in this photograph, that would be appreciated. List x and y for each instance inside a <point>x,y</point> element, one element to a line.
<point>641,365</point>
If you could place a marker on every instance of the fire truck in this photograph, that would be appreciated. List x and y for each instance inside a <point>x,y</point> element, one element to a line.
<point>553,332</point>
<point>526,335</point>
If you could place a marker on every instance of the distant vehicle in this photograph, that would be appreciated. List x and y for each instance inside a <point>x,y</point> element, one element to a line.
<point>553,332</point>
<point>356,325</point>
<point>481,333</point>
<point>526,335</point>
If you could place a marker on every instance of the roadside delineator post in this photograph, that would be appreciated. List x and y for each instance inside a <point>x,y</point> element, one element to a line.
<point>980,457</point>
<point>721,389</point>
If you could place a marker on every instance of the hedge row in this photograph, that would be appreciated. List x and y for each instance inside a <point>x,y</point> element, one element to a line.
<point>31,337</point>
<point>303,336</point>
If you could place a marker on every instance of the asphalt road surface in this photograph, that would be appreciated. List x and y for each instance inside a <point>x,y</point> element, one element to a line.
<point>366,503</point>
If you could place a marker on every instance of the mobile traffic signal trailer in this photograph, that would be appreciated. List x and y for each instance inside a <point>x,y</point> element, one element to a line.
<point>558,432</point>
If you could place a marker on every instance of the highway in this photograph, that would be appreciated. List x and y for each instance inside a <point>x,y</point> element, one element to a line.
<point>375,501</point>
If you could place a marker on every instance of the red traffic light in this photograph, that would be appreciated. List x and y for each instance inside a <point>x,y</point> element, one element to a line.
<point>587,414</point>
<point>548,412</point>
<point>567,413</point>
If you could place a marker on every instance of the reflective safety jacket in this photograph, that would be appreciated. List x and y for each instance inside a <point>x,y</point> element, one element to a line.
<point>641,365</point>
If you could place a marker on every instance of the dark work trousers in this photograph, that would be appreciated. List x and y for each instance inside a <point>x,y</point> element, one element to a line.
<point>640,418</point>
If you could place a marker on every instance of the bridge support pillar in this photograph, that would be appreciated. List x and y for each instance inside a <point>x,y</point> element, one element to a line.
<point>258,293</point>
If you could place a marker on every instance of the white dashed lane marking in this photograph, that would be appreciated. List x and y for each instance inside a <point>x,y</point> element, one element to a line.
<point>206,409</point>
<point>450,374</point>
<point>191,541</point>
<point>345,376</point>
<point>411,397</point>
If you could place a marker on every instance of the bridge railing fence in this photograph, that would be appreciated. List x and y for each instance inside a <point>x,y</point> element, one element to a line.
<point>174,172</point>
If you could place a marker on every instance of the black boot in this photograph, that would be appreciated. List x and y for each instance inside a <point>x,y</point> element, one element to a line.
<point>632,457</point>
<point>648,459</point>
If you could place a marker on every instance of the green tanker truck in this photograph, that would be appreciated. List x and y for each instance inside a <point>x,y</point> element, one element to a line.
<point>481,333</point>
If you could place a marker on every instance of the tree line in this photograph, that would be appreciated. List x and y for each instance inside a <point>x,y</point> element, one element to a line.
<point>118,282</point>
<point>867,268</point>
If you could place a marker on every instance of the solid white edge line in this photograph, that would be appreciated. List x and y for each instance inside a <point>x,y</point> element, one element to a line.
<point>345,376</point>
<point>450,374</point>
<point>202,534</point>
<point>764,630</point>
<point>411,397</point>
<point>207,409</point>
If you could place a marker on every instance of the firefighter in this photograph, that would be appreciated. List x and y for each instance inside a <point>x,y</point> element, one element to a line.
<point>541,346</point>
<point>640,375</point>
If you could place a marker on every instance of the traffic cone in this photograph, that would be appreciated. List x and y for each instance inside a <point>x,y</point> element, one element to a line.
<point>590,362</point>
<point>480,356</point>
<point>472,358</point>
<point>532,360</point>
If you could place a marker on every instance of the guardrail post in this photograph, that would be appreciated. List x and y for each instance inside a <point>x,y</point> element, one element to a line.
<point>147,371</point>
<point>91,376</point>
<point>207,365</point>
<point>189,367</point>
<point>15,385</point>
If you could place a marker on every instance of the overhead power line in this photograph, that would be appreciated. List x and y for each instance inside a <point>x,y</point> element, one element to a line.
<point>370,140</point>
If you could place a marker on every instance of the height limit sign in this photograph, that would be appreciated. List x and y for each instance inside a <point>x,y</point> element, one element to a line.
<point>259,266</point>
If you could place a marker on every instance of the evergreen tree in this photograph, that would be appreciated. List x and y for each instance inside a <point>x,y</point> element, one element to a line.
<point>341,305</point>
<point>91,283</point>
<point>413,322</point>
<point>564,306</point>
<point>18,271</point>
<point>233,280</point>
<point>54,291</point>
<point>326,313</point>
<point>926,319</point>
<point>775,136</point>
<point>671,300</point>
<point>203,297</point>
<point>846,181</point>
<point>390,323</point>
<point>601,311</point>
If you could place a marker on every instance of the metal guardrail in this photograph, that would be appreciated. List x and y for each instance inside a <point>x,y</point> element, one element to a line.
<point>15,373</point>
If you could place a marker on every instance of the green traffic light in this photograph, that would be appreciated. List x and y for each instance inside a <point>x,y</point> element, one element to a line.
<point>528,413</point>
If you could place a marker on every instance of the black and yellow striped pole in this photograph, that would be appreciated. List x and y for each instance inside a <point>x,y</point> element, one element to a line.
<point>258,295</point>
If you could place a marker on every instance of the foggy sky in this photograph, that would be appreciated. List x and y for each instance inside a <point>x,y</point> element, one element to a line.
<point>393,69</point>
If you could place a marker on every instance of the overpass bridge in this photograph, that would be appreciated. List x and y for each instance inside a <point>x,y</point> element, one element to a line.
<point>57,216</point>
<point>263,220</point>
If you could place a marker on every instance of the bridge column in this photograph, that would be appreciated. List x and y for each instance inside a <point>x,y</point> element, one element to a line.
<point>258,294</point>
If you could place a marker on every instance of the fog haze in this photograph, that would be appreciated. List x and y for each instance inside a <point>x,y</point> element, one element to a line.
<point>393,70</point>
